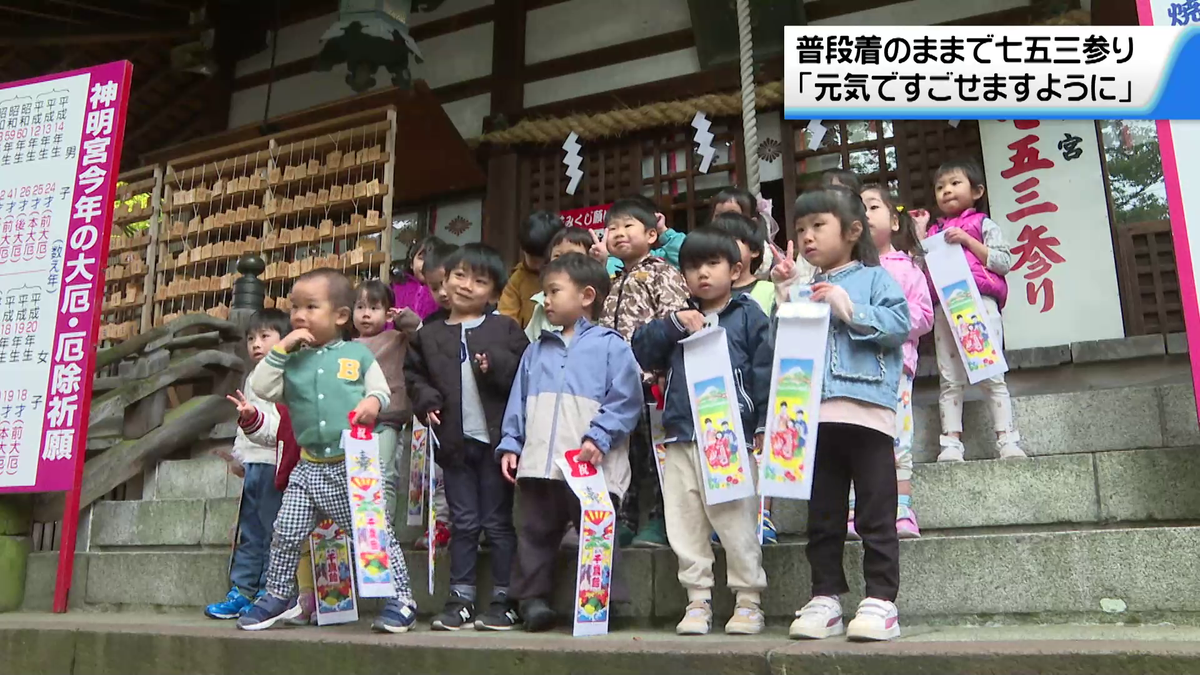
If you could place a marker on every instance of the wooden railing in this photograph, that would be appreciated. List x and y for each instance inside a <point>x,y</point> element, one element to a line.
<point>169,392</point>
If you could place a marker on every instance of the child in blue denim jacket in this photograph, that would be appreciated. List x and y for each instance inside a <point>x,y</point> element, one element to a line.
<point>857,425</point>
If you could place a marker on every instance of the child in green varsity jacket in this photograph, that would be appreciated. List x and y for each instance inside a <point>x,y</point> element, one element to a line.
<point>325,382</point>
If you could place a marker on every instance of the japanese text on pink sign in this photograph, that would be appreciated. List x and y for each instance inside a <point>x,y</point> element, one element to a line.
<point>59,157</point>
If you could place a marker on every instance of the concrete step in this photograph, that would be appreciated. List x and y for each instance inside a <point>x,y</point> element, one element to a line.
<point>45,644</point>
<point>1132,573</point>
<point>1132,486</point>
<point>1099,420</point>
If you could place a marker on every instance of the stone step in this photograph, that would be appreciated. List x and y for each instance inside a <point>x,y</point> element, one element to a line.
<point>1133,572</point>
<point>201,478</point>
<point>1099,420</point>
<point>46,644</point>
<point>166,522</point>
<point>1132,486</point>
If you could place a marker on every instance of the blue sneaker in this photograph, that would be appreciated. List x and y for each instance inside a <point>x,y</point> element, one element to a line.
<point>395,618</point>
<point>267,611</point>
<point>234,605</point>
<point>768,529</point>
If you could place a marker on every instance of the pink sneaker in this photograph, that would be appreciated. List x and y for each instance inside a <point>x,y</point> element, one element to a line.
<point>906,525</point>
<point>851,533</point>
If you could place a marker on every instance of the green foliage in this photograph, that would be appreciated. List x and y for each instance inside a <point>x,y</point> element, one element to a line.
<point>1135,171</point>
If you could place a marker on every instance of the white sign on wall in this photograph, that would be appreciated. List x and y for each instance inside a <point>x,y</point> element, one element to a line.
<point>1045,188</point>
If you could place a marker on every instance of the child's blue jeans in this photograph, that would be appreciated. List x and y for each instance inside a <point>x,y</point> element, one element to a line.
<point>256,520</point>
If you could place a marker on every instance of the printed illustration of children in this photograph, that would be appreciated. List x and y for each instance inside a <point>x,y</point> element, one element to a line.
<point>712,443</point>
<point>729,446</point>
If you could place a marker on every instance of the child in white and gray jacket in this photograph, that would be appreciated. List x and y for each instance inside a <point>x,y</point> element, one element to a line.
<point>254,459</point>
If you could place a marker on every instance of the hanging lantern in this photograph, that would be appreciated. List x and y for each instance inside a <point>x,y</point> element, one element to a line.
<point>369,34</point>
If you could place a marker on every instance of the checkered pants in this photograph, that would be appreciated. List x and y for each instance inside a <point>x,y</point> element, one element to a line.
<point>320,487</point>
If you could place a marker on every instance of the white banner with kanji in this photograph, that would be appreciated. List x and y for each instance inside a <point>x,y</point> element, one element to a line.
<point>1045,188</point>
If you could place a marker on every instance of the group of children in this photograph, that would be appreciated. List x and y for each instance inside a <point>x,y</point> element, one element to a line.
<point>570,360</point>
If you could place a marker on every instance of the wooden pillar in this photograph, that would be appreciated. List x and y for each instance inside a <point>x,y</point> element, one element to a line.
<point>1114,13</point>
<point>508,99</point>
<point>501,209</point>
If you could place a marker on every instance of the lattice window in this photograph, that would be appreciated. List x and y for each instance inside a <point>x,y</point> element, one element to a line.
<point>866,147</point>
<point>660,164</point>
<point>922,146</point>
<point>1147,271</point>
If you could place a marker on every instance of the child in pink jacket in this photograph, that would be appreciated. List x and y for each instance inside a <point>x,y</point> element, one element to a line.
<point>894,235</point>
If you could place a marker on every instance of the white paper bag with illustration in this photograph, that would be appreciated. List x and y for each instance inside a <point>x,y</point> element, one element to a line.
<point>431,442</point>
<point>974,333</point>
<point>793,409</point>
<point>364,481</point>
<point>416,475</point>
<point>597,541</point>
<point>724,455</point>
<point>333,582</point>
<point>658,436</point>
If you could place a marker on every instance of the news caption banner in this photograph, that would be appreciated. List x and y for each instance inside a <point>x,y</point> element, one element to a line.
<point>996,72</point>
<point>60,146</point>
<point>1179,141</point>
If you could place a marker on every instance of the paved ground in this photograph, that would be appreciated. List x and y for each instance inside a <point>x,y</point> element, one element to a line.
<point>147,643</point>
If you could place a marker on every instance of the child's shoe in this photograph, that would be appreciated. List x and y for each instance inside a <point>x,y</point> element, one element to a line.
<point>952,449</point>
<point>697,619</point>
<point>747,619</point>
<point>770,536</point>
<point>819,619</point>
<point>1007,445</point>
<point>234,605</point>
<point>876,620</point>
<point>652,535</point>
<point>625,535</point>
<point>457,613</point>
<point>267,611</point>
<point>906,523</point>
<point>395,618</point>
<point>851,533</point>
<point>538,615</point>
<point>500,615</point>
<point>441,534</point>
<point>308,610</point>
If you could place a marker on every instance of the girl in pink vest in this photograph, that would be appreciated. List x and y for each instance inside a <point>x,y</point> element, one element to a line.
<point>958,186</point>
<point>893,233</point>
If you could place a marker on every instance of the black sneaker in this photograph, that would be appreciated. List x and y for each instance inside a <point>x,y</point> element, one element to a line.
<point>457,613</point>
<point>500,615</point>
<point>538,615</point>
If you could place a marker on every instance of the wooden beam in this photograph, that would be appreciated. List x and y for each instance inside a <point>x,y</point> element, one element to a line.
<point>655,45</point>
<point>465,89</point>
<point>282,71</point>
<point>119,35</point>
<point>41,15</point>
<point>453,23</point>
<point>101,9</point>
<point>508,57</point>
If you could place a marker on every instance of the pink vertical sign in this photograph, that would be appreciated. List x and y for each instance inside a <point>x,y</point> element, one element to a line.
<point>60,153</point>
<point>1178,168</point>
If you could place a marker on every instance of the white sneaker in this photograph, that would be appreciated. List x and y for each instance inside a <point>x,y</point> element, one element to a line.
<point>747,619</point>
<point>952,449</point>
<point>819,619</point>
<point>1006,445</point>
<point>876,620</point>
<point>697,619</point>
